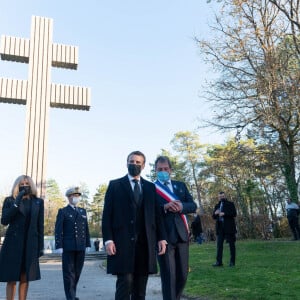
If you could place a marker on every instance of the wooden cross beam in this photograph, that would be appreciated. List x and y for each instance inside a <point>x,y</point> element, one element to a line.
<point>38,93</point>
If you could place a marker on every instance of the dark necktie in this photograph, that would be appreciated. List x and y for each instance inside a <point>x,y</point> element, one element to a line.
<point>136,191</point>
<point>166,184</point>
<point>221,210</point>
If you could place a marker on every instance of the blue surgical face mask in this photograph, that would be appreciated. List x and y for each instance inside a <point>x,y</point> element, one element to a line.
<point>163,176</point>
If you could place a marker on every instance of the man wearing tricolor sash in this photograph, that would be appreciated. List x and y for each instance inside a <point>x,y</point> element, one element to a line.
<point>175,202</point>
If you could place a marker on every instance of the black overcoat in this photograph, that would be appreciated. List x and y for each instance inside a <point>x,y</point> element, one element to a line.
<point>16,239</point>
<point>229,215</point>
<point>118,225</point>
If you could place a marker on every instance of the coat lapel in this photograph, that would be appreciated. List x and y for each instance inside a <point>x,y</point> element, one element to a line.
<point>177,188</point>
<point>22,208</point>
<point>71,212</point>
<point>35,207</point>
<point>145,192</point>
<point>127,187</point>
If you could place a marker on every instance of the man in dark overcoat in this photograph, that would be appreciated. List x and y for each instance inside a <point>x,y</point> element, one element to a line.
<point>72,237</point>
<point>196,227</point>
<point>292,213</point>
<point>132,230</point>
<point>224,213</point>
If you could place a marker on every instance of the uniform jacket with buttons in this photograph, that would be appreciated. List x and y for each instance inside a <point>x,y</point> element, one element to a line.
<point>71,229</point>
<point>119,224</point>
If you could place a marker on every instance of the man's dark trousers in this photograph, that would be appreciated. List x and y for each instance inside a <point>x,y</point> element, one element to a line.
<point>220,242</point>
<point>132,286</point>
<point>172,273</point>
<point>72,264</point>
<point>294,225</point>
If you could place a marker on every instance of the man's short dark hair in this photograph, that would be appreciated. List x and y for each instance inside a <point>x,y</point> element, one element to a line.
<point>163,159</point>
<point>139,153</point>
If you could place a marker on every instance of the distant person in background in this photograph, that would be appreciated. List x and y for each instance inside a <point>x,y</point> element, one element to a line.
<point>96,245</point>
<point>24,239</point>
<point>224,214</point>
<point>292,213</point>
<point>72,237</point>
<point>196,226</point>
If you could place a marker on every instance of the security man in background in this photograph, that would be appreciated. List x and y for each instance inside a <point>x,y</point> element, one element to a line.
<point>292,212</point>
<point>224,214</point>
<point>71,239</point>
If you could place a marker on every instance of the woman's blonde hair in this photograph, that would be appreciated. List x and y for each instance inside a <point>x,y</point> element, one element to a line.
<point>15,188</point>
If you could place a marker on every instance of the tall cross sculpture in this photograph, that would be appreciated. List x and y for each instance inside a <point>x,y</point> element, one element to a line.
<point>38,93</point>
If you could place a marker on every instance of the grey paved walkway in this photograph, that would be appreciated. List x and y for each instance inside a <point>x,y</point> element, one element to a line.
<point>94,284</point>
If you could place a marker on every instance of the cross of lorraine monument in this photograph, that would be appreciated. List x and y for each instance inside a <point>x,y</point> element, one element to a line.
<point>38,93</point>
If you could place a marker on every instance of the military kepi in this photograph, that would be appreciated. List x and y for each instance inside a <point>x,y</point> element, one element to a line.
<point>73,190</point>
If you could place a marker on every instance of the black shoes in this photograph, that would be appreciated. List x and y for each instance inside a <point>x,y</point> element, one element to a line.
<point>217,264</point>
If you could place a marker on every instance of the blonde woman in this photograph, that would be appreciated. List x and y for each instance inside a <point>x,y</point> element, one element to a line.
<point>24,239</point>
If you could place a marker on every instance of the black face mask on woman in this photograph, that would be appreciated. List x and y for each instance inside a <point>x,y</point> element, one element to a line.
<point>134,170</point>
<point>25,188</point>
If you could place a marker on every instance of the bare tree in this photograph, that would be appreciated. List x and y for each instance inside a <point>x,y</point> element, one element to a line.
<point>187,144</point>
<point>96,209</point>
<point>53,202</point>
<point>253,49</point>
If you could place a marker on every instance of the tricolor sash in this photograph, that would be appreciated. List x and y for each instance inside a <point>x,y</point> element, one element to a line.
<point>169,196</point>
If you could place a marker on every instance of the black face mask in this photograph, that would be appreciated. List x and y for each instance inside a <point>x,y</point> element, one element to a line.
<point>25,188</point>
<point>134,170</point>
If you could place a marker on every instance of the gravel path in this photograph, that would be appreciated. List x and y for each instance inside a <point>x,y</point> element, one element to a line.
<point>94,283</point>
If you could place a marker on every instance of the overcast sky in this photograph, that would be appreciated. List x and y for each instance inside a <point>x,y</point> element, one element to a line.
<point>145,73</point>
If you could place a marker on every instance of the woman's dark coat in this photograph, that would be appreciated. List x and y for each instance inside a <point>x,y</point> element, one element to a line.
<point>15,240</point>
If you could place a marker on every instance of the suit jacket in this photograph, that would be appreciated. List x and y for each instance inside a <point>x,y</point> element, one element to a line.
<point>17,240</point>
<point>119,225</point>
<point>229,221</point>
<point>174,225</point>
<point>71,229</point>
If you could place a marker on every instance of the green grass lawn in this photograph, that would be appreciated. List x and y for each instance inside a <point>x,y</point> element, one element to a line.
<point>264,270</point>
